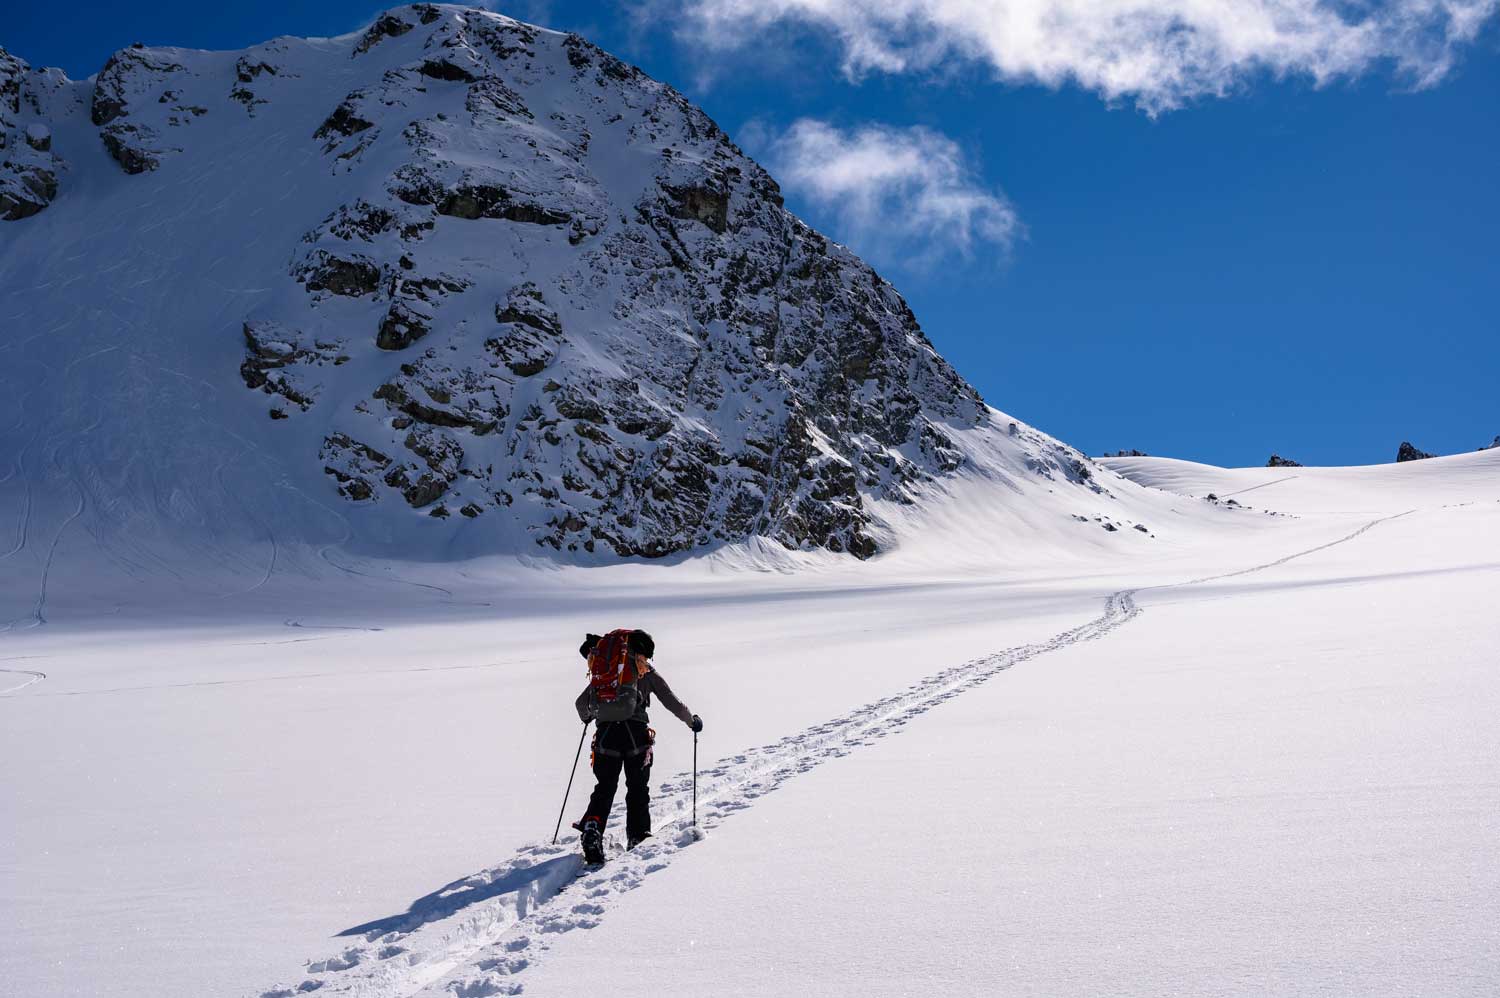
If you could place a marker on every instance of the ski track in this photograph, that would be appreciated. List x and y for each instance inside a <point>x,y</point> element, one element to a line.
<point>475,937</point>
<point>1262,485</point>
<point>40,611</point>
<point>250,515</point>
<point>31,677</point>
<point>23,518</point>
<point>298,622</point>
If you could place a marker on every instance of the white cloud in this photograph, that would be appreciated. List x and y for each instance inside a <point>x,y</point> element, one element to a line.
<point>1159,53</point>
<point>899,195</point>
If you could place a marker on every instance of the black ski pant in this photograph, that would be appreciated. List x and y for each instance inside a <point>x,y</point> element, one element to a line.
<point>623,745</point>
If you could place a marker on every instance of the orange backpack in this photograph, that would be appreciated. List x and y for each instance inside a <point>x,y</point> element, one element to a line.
<point>612,676</point>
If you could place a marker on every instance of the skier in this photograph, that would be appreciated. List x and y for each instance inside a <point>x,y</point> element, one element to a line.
<point>621,682</point>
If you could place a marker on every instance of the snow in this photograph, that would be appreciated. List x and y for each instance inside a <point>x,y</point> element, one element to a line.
<point>1277,781</point>
<point>1458,478</point>
<point>259,739</point>
<point>1183,808</point>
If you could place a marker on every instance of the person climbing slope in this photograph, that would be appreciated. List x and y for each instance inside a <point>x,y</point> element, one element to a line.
<point>621,684</point>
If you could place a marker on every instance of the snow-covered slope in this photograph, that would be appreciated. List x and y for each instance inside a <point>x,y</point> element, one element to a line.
<point>1458,478</point>
<point>1258,761</point>
<point>1279,782</point>
<point>449,286</point>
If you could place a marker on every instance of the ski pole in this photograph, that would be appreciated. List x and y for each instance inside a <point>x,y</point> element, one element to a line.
<point>695,779</point>
<point>572,773</point>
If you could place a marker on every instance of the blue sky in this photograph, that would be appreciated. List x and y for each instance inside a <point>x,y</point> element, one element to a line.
<point>1129,233</point>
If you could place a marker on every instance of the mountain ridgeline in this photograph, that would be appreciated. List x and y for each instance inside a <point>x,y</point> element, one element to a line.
<point>462,268</point>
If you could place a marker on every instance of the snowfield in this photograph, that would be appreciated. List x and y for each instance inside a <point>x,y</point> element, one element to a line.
<point>1257,758</point>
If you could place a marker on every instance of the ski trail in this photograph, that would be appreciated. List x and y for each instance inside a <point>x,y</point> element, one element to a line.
<point>23,518</point>
<point>39,613</point>
<point>323,553</point>
<point>250,515</point>
<point>348,533</point>
<point>31,677</point>
<point>475,937</point>
<point>1262,485</point>
<point>1291,557</point>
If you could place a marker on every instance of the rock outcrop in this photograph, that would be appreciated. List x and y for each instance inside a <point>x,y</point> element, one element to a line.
<point>280,360</point>
<point>29,168</point>
<point>1406,452</point>
<point>1277,461</point>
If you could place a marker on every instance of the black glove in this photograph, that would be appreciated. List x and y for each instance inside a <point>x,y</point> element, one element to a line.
<point>589,641</point>
<point>697,724</point>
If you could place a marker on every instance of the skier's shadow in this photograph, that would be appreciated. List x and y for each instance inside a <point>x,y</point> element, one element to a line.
<point>448,900</point>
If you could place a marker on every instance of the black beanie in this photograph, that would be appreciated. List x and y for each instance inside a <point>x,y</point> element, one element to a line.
<point>589,641</point>
<point>641,643</point>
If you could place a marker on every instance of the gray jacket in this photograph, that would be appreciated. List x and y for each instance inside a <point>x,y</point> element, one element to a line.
<point>648,684</point>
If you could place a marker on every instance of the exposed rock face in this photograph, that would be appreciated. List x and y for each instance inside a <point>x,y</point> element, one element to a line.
<point>385,26</point>
<point>543,290</point>
<point>353,465</point>
<point>685,362</point>
<point>280,361</point>
<point>530,333</point>
<point>352,275</point>
<point>1277,461</point>
<point>134,103</point>
<point>28,168</point>
<point>1406,452</point>
<point>1128,453</point>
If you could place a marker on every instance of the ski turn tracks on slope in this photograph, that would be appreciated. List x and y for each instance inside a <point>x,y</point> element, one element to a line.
<point>475,937</point>
<point>29,677</point>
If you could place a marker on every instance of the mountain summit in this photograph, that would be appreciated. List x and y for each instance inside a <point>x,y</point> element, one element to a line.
<point>453,267</point>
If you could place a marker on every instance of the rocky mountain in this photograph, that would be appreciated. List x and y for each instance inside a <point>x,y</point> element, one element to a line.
<point>465,269</point>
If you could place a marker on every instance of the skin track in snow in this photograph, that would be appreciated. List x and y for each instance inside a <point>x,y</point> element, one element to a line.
<point>478,935</point>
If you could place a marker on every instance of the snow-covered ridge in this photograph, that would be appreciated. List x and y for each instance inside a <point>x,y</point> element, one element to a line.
<point>452,285</point>
<point>1457,478</point>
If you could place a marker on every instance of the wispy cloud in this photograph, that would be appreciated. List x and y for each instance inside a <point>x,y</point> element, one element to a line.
<point>1158,53</point>
<point>902,196</point>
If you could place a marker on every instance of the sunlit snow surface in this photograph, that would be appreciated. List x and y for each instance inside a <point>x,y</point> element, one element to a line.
<point>1020,754</point>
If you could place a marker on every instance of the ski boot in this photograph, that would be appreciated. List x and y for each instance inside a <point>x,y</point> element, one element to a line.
<point>591,835</point>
